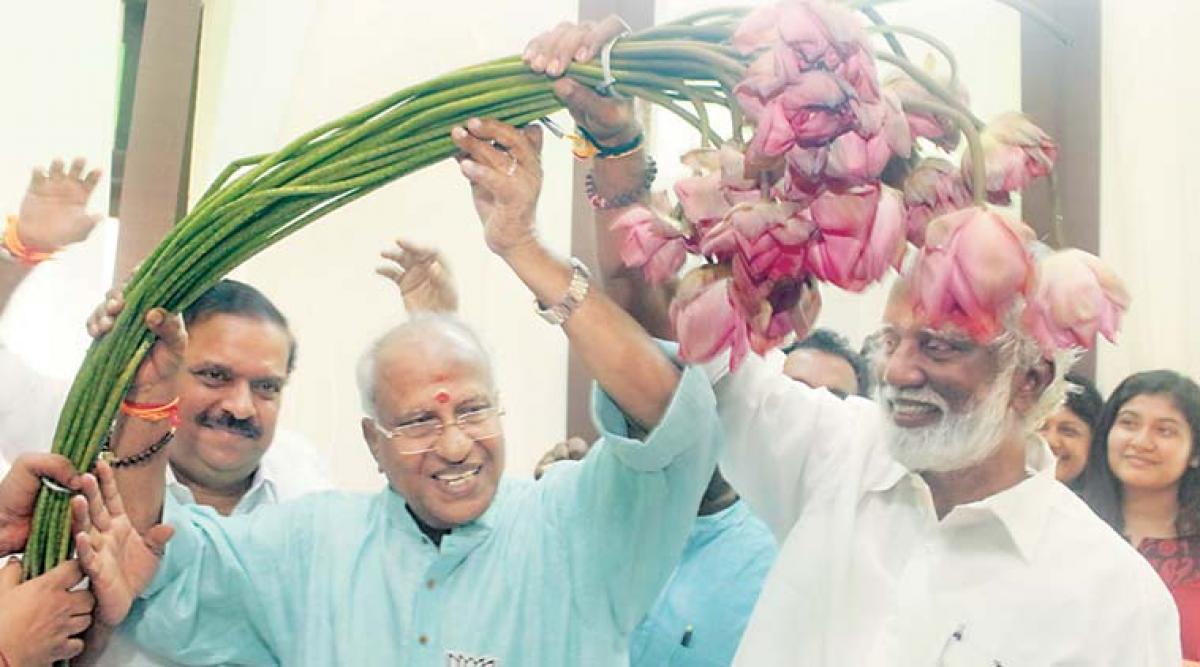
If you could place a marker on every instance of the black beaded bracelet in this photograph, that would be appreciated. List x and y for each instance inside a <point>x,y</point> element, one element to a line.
<point>615,151</point>
<point>142,456</point>
<point>624,199</point>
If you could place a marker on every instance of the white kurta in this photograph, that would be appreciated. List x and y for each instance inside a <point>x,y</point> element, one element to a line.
<point>29,406</point>
<point>867,575</point>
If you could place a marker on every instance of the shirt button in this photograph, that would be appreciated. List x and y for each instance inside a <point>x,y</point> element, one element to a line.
<point>423,640</point>
<point>431,584</point>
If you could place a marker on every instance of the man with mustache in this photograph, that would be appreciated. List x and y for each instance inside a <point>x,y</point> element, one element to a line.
<point>226,452</point>
<point>926,528</point>
<point>450,564</point>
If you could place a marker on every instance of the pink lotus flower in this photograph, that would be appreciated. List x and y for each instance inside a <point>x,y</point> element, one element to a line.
<point>974,265</point>
<point>933,188</point>
<point>1076,297</point>
<point>719,183</point>
<point>819,35</point>
<point>1015,152</point>
<point>651,241</point>
<point>769,236</point>
<point>810,112</point>
<point>859,157</point>
<point>804,175</point>
<point>706,320</point>
<point>941,130</point>
<point>769,307</point>
<point>860,233</point>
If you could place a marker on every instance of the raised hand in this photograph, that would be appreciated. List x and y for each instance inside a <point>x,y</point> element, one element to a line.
<point>120,561</point>
<point>159,368</point>
<point>18,494</point>
<point>609,119</point>
<point>504,167</point>
<point>40,618</point>
<point>54,211</point>
<point>423,277</point>
<point>573,449</point>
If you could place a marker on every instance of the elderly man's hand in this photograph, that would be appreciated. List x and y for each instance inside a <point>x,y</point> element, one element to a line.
<point>574,449</point>
<point>423,277</point>
<point>120,561</point>
<point>18,494</point>
<point>54,211</point>
<point>504,166</point>
<point>609,119</point>
<point>40,618</point>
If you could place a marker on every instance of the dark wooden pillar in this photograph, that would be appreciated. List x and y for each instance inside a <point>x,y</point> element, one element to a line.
<point>154,169</point>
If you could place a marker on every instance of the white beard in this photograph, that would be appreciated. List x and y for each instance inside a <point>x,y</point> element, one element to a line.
<point>957,440</point>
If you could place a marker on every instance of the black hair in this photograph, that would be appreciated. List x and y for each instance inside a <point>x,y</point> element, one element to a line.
<point>831,342</point>
<point>1101,488</point>
<point>231,297</point>
<point>1084,399</point>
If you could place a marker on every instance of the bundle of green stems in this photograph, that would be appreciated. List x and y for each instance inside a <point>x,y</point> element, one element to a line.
<point>260,200</point>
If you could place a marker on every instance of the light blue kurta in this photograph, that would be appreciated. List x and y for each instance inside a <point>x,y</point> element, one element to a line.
<point>554,573</point>
<point>702,612</point>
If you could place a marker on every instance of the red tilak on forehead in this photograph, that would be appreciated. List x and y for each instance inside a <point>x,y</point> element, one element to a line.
<point>442,396</point>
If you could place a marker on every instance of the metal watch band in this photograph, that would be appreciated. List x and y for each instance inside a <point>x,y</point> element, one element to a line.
<point>557,314</point>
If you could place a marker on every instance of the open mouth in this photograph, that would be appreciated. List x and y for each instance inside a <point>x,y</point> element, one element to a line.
<point>458,479</point>
<point>907,410</point>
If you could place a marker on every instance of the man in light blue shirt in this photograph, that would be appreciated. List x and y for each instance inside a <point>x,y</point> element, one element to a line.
<point>699,618</point>
<point>450,564</point>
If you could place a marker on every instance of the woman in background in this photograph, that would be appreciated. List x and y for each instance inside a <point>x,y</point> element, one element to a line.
<point>1069,430</point>
<point>1143,478</point>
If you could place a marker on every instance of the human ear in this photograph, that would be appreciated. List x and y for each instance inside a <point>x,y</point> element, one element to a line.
<point>370,436</point>
<point>1029,385</point>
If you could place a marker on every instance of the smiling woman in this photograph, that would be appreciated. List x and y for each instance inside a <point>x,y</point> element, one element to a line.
<point>1143,477</point>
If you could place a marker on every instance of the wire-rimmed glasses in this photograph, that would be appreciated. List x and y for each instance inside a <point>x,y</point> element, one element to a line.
<point>421,436</point>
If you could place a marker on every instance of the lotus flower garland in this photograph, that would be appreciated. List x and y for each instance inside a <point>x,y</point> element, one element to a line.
<point>834,180</point>
<point>818,192</point>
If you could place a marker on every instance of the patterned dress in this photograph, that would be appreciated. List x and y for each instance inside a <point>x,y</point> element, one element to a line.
<point>1177,561</point>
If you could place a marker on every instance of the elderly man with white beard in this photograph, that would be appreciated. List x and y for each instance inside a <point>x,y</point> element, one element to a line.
<point>926,528</point>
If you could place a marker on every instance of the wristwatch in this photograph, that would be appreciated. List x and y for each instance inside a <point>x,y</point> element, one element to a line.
<point>557,314</point>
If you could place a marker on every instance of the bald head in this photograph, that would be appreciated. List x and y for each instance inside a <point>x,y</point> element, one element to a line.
<point>416,347</point>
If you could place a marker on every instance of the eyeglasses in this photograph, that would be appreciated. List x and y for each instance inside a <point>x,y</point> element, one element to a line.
<point>422,436</point>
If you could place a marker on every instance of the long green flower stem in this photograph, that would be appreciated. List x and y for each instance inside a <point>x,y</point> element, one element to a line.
<point>932,86</point>
<point>937,44</point>
<point>259,200</point>
<point>975,147</point>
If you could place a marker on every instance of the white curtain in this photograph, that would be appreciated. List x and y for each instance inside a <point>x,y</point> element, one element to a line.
<point>1149,174</point>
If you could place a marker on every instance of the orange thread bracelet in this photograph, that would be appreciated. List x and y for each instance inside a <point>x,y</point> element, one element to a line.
<point>19,251</point>
<point>153,412</point>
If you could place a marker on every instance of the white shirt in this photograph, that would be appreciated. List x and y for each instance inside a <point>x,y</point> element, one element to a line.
<point>867,575</point>
<point>29,407</point>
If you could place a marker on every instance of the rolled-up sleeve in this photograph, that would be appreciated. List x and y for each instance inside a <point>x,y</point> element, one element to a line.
<point>626,510</point>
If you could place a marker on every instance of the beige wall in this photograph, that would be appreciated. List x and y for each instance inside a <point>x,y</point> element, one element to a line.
<point>59,77</point>
<point>272,69</point>
<point>1150,103</point>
